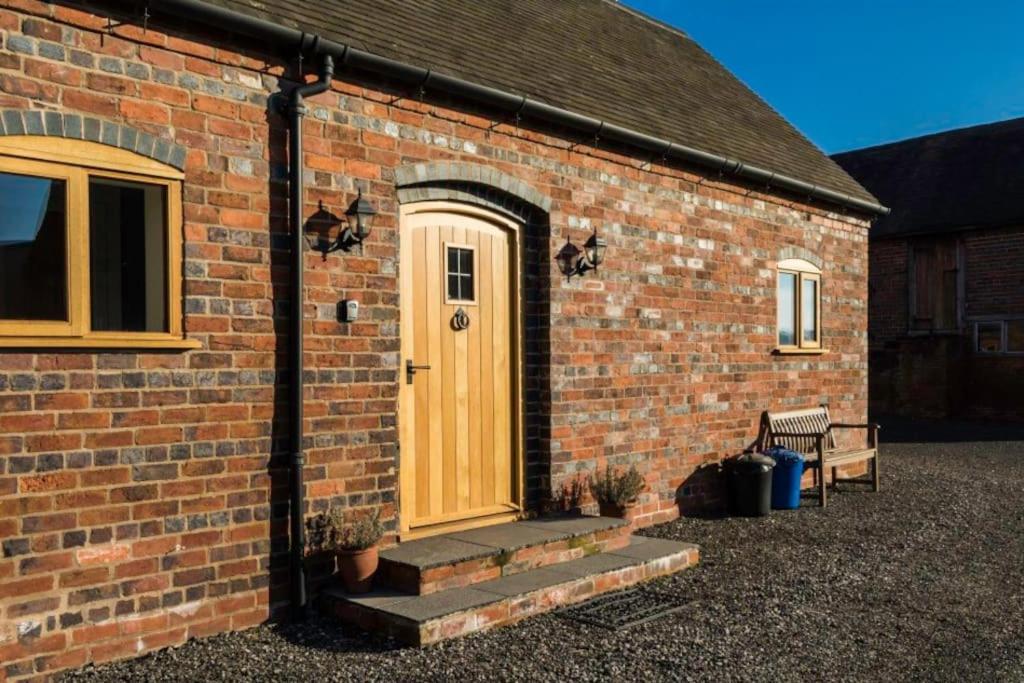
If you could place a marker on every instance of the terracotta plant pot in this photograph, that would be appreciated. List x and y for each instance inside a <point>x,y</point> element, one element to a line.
<point>613,510</point>
<point>357,568</point>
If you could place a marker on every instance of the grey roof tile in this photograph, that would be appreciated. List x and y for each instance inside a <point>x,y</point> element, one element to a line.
<point>966,178</point>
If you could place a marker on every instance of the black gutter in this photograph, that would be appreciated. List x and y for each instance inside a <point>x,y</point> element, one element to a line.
<point>294,39</point>
<point>296,111</point>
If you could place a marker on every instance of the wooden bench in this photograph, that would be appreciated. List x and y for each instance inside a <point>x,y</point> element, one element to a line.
<point>812,432</point>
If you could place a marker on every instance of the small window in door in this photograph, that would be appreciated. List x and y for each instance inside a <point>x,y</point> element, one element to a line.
<point>459,268</point>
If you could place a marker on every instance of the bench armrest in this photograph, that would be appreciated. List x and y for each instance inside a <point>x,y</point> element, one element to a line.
<point>872,428</point>
<point>869,425</point>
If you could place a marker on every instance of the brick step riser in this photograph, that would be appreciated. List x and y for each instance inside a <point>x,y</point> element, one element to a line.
<point>410,579</point>
<point>511,609</point>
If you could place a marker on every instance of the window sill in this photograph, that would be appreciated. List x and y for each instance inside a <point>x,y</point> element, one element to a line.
<point>933,333</point>
<point>125,342</point>
<point>798,352</point>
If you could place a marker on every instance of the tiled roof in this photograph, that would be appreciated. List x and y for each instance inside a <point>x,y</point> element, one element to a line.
<point>966,178</point>
<point>593,57</point>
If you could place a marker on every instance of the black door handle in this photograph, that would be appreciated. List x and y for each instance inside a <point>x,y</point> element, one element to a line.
<point>411,369</point>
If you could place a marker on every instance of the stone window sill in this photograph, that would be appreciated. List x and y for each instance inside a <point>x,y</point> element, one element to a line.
<point>126,342</point>
<point>798,352</point>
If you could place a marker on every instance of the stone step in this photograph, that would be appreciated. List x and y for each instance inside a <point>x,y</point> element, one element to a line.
<point>469,557</point>
<point>426,619</point>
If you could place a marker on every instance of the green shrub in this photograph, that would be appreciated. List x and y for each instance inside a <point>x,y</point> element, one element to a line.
<point>615,487</point>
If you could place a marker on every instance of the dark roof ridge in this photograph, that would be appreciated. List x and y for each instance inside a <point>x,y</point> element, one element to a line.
<point>648,18</point>
<point>949,132</point>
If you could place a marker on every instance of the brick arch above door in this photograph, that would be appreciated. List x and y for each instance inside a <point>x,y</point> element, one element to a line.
<point>92,129</point>
<point>473,184</point>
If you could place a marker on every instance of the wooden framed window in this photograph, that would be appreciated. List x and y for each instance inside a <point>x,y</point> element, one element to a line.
<point>988,337</point>
<point>460,273</point>
<point>90,247</point>
<point>1015,336</point>
<point>1004,337</point>
<point>798,307</point>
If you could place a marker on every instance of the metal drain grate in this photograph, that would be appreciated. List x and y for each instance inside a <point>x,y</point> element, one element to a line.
<point>621,610</point>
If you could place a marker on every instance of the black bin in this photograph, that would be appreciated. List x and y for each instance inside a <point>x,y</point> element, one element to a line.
<point>750,484</point>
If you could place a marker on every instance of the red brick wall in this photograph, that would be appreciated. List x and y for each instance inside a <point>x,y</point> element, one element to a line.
<point>143,495</point>
<point>995,267</point>
<point>994,287</point>
<point>941,376</point>
<point>887,291</point>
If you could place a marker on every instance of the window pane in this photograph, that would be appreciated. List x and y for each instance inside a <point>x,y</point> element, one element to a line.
<point>127,256</point>
<point>990,337</point>
<point>809,310</point>
<point>787,309</point>
<point>33,248</point>
<point>1015,336</point>
<point>460,274</point>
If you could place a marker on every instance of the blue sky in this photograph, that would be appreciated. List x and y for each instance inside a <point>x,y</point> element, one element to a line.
<point>853,73</point>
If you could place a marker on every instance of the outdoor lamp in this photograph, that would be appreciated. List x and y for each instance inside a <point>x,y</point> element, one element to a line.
<point>568,259</point>
<point>594,249</point>
<point>571,261</point>
<point>359,215</point>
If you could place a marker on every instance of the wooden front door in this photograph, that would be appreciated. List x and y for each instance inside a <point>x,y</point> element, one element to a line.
<point>459,407</point>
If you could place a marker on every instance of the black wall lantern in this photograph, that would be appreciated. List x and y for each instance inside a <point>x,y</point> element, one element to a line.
<point>359,219</point>
<point>572,261</point>
<point>360,215</point>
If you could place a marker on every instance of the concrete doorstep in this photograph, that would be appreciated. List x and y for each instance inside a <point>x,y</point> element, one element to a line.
<point>434,617</point>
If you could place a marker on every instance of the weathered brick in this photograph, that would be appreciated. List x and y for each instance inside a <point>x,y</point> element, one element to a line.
<point>164,459</point>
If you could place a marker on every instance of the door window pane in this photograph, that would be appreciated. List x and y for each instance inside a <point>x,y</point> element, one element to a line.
<point>787,309</point>
<point>460,274</point>
<point>127,256</point>
<point>33,248</point>
<point>809,310</point>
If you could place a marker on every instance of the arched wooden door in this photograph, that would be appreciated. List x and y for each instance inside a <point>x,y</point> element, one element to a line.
<point>459,414</point>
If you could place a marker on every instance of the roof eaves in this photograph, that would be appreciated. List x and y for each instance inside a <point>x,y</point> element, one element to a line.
<point>254,25</point>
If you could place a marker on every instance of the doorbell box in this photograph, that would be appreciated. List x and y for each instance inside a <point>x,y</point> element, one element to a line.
<point>348,311</point>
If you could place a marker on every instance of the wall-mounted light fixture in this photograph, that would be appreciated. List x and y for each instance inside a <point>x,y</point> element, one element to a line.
<point>359,221</point>
<point>572,261</point>
<point>360,215</point>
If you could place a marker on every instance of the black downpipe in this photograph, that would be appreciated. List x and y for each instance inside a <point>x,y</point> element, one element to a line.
<point>296,112</point>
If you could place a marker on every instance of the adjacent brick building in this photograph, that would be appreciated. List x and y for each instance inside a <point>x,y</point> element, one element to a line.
<point>946,305</point>
<point>144,464</point>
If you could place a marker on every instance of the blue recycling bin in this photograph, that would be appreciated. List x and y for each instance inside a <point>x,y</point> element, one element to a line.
<point>786,475</point>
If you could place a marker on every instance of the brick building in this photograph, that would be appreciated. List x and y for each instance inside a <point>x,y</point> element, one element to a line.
<point>150,431</point>
<point>946,304</point>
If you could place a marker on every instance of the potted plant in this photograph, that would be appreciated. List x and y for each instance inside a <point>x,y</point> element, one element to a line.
<point>354,544</point>
<point>616,491</point>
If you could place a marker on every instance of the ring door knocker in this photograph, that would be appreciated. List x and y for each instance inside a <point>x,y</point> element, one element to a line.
<point>460,320</point>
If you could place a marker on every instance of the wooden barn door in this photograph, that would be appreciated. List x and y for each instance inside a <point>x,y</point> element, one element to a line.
<point>459,415</point>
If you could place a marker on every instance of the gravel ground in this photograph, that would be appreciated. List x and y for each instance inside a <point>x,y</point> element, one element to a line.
<point>924,581</point>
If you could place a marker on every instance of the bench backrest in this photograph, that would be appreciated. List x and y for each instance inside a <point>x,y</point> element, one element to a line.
<point>807,421</point>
